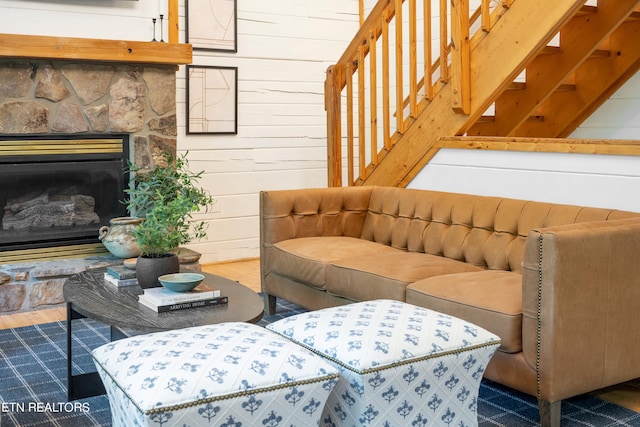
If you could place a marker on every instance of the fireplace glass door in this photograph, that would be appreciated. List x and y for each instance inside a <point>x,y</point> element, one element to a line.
<point>59,199</point>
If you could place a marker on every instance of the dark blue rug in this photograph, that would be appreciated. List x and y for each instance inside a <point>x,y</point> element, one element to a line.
<point>33,384</point>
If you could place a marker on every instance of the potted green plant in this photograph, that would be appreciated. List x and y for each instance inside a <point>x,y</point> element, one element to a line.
<point>166,197</point>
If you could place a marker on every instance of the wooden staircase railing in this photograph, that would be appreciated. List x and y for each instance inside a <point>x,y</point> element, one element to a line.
<point>378,112</point>
<point>421,70</point>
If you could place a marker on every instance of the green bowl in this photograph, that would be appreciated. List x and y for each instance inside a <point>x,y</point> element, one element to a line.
<point>181,282</point>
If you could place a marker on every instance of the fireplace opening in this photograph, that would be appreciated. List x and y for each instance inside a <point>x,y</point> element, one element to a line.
<point>58,191</point>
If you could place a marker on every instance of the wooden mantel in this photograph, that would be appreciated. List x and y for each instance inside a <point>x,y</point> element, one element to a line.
<point>82,49</point>
<point>67,48</point>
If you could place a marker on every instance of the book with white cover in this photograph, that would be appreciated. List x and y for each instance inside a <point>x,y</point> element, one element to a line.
<point>163,296</point>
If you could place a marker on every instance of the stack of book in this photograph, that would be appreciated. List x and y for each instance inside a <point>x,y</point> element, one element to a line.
<point>119,275</point>
<point>163,300</point>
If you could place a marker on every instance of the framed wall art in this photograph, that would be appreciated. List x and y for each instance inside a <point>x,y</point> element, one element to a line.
<point>211,24</point>
<point>212,100</point>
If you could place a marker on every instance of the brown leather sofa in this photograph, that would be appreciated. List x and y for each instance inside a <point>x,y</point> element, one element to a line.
<point>559,284</point>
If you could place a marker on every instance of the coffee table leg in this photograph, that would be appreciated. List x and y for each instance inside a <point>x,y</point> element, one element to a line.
<point>82,385</point>
<point>117,334</point>
<point>69,354</point>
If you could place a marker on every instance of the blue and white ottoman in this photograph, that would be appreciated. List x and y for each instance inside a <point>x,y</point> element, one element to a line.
<point>230,374</point>
<point>400,365</point>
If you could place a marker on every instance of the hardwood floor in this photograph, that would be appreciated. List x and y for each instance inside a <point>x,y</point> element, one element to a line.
<point>32,318</point>
<point>247,272</point>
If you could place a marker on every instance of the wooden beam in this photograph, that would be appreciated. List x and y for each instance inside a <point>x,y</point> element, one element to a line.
<point>386,100</point>
<point>174,26</point>
<point>68,48</point>
<point>485,13</point>
<point>373,98</point>
<point>543,145</point>
<point>427,80</point>
<point>334,136</point>
<point>399,69</point>
<point>460,57</point>
<point>444,42</point>
<point>362,137</point>
<point>413,60</point>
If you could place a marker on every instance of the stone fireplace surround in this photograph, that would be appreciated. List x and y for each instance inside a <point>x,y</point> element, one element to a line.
<point>63,97</point>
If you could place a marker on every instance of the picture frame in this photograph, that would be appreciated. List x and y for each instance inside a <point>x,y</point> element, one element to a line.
<point>211,24</point>
<point>212,100</point>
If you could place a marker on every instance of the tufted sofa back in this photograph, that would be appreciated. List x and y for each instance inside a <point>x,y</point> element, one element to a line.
<point>291,214</point>
<point>489,232</point>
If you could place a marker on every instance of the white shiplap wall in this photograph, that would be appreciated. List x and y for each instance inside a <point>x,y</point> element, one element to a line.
<point>100,19</point>
<point>284,49</point>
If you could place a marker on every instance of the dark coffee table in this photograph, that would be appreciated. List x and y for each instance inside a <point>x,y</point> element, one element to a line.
<point>87,295</point>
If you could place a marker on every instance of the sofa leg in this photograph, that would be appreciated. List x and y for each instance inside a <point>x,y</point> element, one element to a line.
<point>270,303</point>
<point>549,413</point>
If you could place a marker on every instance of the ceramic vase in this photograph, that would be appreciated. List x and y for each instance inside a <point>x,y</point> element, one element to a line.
<point>149,269</point>
<point>117,237</point>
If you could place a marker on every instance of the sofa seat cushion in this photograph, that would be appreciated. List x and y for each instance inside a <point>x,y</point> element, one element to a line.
<point>491,299</point>
<point>306,259</point>
<point>386,275</point>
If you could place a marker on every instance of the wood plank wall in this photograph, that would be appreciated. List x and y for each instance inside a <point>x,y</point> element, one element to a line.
<point>104,19</point>
<point>284,49</point>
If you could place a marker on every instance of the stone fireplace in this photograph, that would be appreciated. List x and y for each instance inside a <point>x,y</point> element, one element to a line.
<point>92,101</point>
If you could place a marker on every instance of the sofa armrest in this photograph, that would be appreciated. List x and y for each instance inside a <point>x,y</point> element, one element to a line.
<point>581,299</point>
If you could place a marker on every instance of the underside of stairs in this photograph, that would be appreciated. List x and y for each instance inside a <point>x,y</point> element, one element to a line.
<point>513,69</point>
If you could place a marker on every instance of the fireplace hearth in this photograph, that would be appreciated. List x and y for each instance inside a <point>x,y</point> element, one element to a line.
<point>58,190</point>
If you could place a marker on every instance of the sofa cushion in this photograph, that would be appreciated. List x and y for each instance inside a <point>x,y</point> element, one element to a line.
<point>306,259</point>
<point>490,299</point>
<point>386,275</point>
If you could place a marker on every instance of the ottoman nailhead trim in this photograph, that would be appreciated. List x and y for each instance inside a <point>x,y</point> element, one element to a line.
<point>239,394</point>
<point>400,362</point>
<point>539,316</point>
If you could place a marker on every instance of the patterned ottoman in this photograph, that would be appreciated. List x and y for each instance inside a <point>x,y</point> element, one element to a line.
<point>400,365</point>
<point>230,374</point>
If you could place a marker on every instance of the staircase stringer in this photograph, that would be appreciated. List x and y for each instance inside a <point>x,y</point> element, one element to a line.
<point>596,81</point>
<point>580,40</point>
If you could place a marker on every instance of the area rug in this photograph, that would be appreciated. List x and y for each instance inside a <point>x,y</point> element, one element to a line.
<point>33,384</point>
